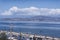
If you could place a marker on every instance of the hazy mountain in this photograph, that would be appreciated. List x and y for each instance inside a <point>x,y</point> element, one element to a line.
<point>33,18</point>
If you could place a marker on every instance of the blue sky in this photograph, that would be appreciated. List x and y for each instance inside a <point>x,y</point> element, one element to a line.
<point>37,6</point>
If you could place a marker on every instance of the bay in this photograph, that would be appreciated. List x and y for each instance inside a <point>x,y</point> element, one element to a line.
<point>40,28</point>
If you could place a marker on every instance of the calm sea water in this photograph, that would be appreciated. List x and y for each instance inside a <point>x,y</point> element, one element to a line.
<point>40,28</point>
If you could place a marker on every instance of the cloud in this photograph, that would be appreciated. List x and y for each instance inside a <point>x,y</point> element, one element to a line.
<point>31,11</point>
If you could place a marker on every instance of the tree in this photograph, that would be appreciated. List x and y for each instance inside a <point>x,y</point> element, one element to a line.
<point>3,36</point>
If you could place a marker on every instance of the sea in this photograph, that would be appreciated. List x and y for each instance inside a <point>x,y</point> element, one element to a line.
<point>32,27</point>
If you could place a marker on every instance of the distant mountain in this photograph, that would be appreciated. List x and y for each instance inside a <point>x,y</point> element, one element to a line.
<point>34,18</point>
<point>46,18</point>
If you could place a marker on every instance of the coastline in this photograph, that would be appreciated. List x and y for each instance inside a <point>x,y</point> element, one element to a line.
<point>31,22</point>
<point>30,35</point>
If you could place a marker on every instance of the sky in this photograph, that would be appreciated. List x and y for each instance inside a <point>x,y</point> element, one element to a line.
<point>22,8</point>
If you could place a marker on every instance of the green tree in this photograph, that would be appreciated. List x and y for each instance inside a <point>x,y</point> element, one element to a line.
<point>3,36</point>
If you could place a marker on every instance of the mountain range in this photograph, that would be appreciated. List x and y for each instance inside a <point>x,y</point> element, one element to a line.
<point>33,18</point>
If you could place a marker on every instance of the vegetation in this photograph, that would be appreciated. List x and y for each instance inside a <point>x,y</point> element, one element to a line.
<point>3,36</point>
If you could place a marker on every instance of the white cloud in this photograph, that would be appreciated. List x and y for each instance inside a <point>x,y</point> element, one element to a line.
<point>6,13</point>
<point>31,11</point>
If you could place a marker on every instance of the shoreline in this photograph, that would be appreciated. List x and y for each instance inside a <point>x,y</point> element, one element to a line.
<point>31,22</point>
<point>30,35</point>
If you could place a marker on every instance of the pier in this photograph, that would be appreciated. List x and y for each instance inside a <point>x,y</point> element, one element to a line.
<point>28,36</point>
